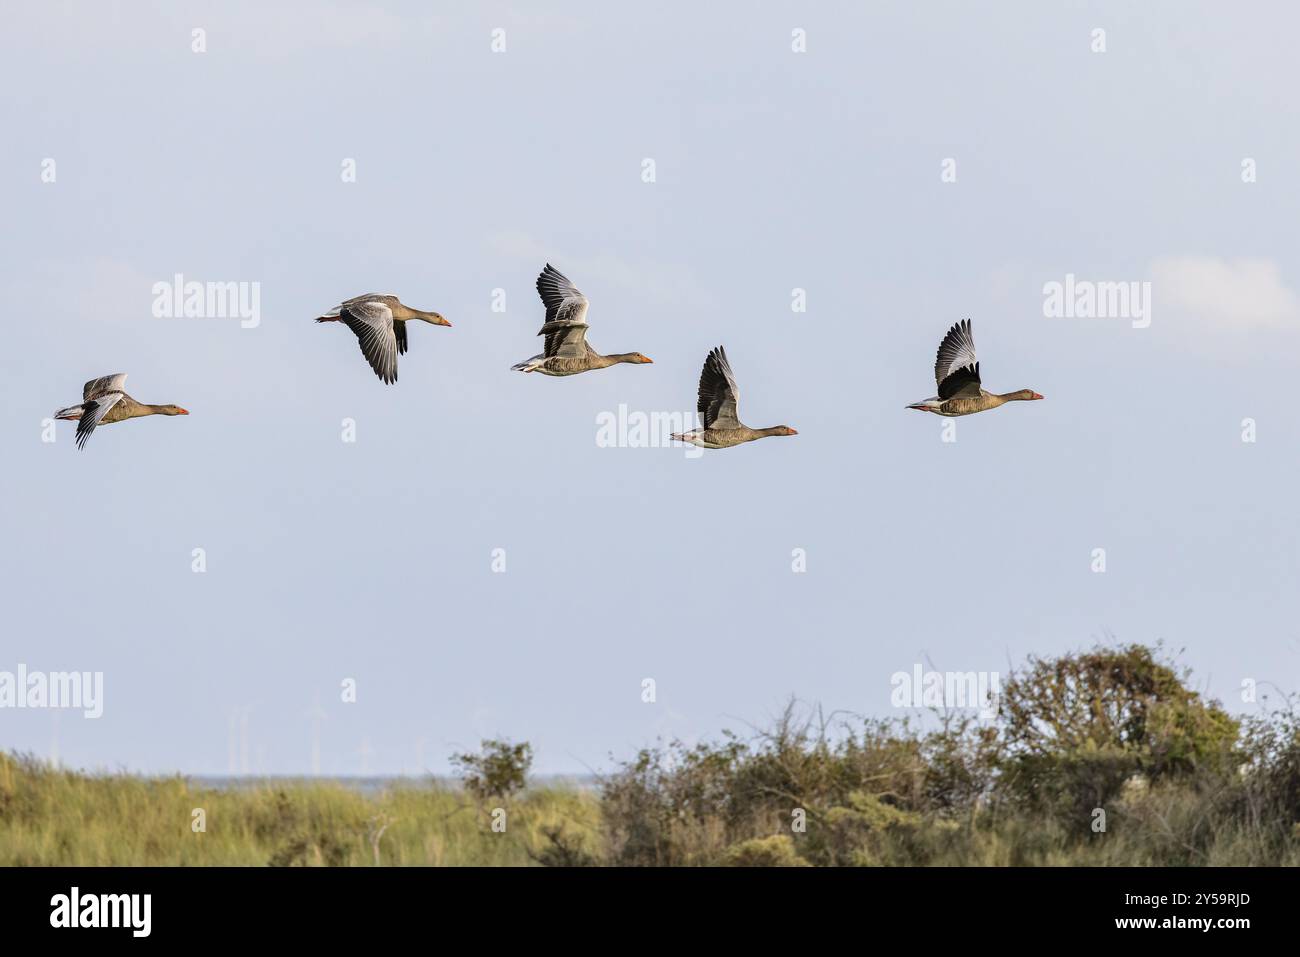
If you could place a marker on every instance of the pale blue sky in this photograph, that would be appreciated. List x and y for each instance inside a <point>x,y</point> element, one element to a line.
<point>775,170</point>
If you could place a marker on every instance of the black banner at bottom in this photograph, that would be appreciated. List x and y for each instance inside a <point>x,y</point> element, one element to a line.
<point>239,905</point>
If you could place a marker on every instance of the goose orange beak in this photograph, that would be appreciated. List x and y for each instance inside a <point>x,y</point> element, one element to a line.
<point>1037,396</point>
<point>182,411</point>
<point>645,359</point>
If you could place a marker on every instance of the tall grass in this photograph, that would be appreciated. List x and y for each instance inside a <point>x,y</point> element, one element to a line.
<point>51,817</point>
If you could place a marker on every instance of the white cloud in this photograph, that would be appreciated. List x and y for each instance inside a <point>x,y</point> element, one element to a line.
<point>1237,293</point>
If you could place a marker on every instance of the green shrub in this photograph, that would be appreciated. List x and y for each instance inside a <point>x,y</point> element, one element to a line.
<point>775,851</point>
<point>1075,728</point>
<point>498,770</point>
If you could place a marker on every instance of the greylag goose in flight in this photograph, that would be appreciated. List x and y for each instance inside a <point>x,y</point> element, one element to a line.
<point>717,407</point>
<point>567,351</point>
<point>379,323</point>
<point>104,402</point>
<point>957,371</point>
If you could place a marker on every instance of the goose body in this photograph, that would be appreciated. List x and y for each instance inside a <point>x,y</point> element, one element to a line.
<point>957,373</point>
<point>717,406</point>
<point>379,323</point>
<point>104,401</point>
<point>566,350</point>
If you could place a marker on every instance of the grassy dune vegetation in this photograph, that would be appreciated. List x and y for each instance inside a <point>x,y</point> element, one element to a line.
<point>66,818</point>
<point>1102,757</point>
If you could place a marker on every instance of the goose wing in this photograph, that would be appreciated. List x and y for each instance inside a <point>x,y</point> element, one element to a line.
<point>956,367</point>
<point>718,392</point>
<point>93,412</point>
<point>102,385</point>
<point>566,315</point>
<point>380,297</point>
<point>372,322</point>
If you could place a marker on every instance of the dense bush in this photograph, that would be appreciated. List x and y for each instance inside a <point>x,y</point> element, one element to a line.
<point>1104,756</point>
<point>1075,728</point>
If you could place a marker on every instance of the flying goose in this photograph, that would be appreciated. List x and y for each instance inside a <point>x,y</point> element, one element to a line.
<point>957,371</point>
<point>379,323</point>
<point>717,406</point>
<point>104,402</point>
<point>567,351</point>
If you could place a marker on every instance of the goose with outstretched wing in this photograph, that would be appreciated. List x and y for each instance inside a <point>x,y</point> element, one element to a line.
<point>104,401</point>
<point>720,425</point>
<point>379,323</point>
<point>957,373</point>
<point>565,351</point>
